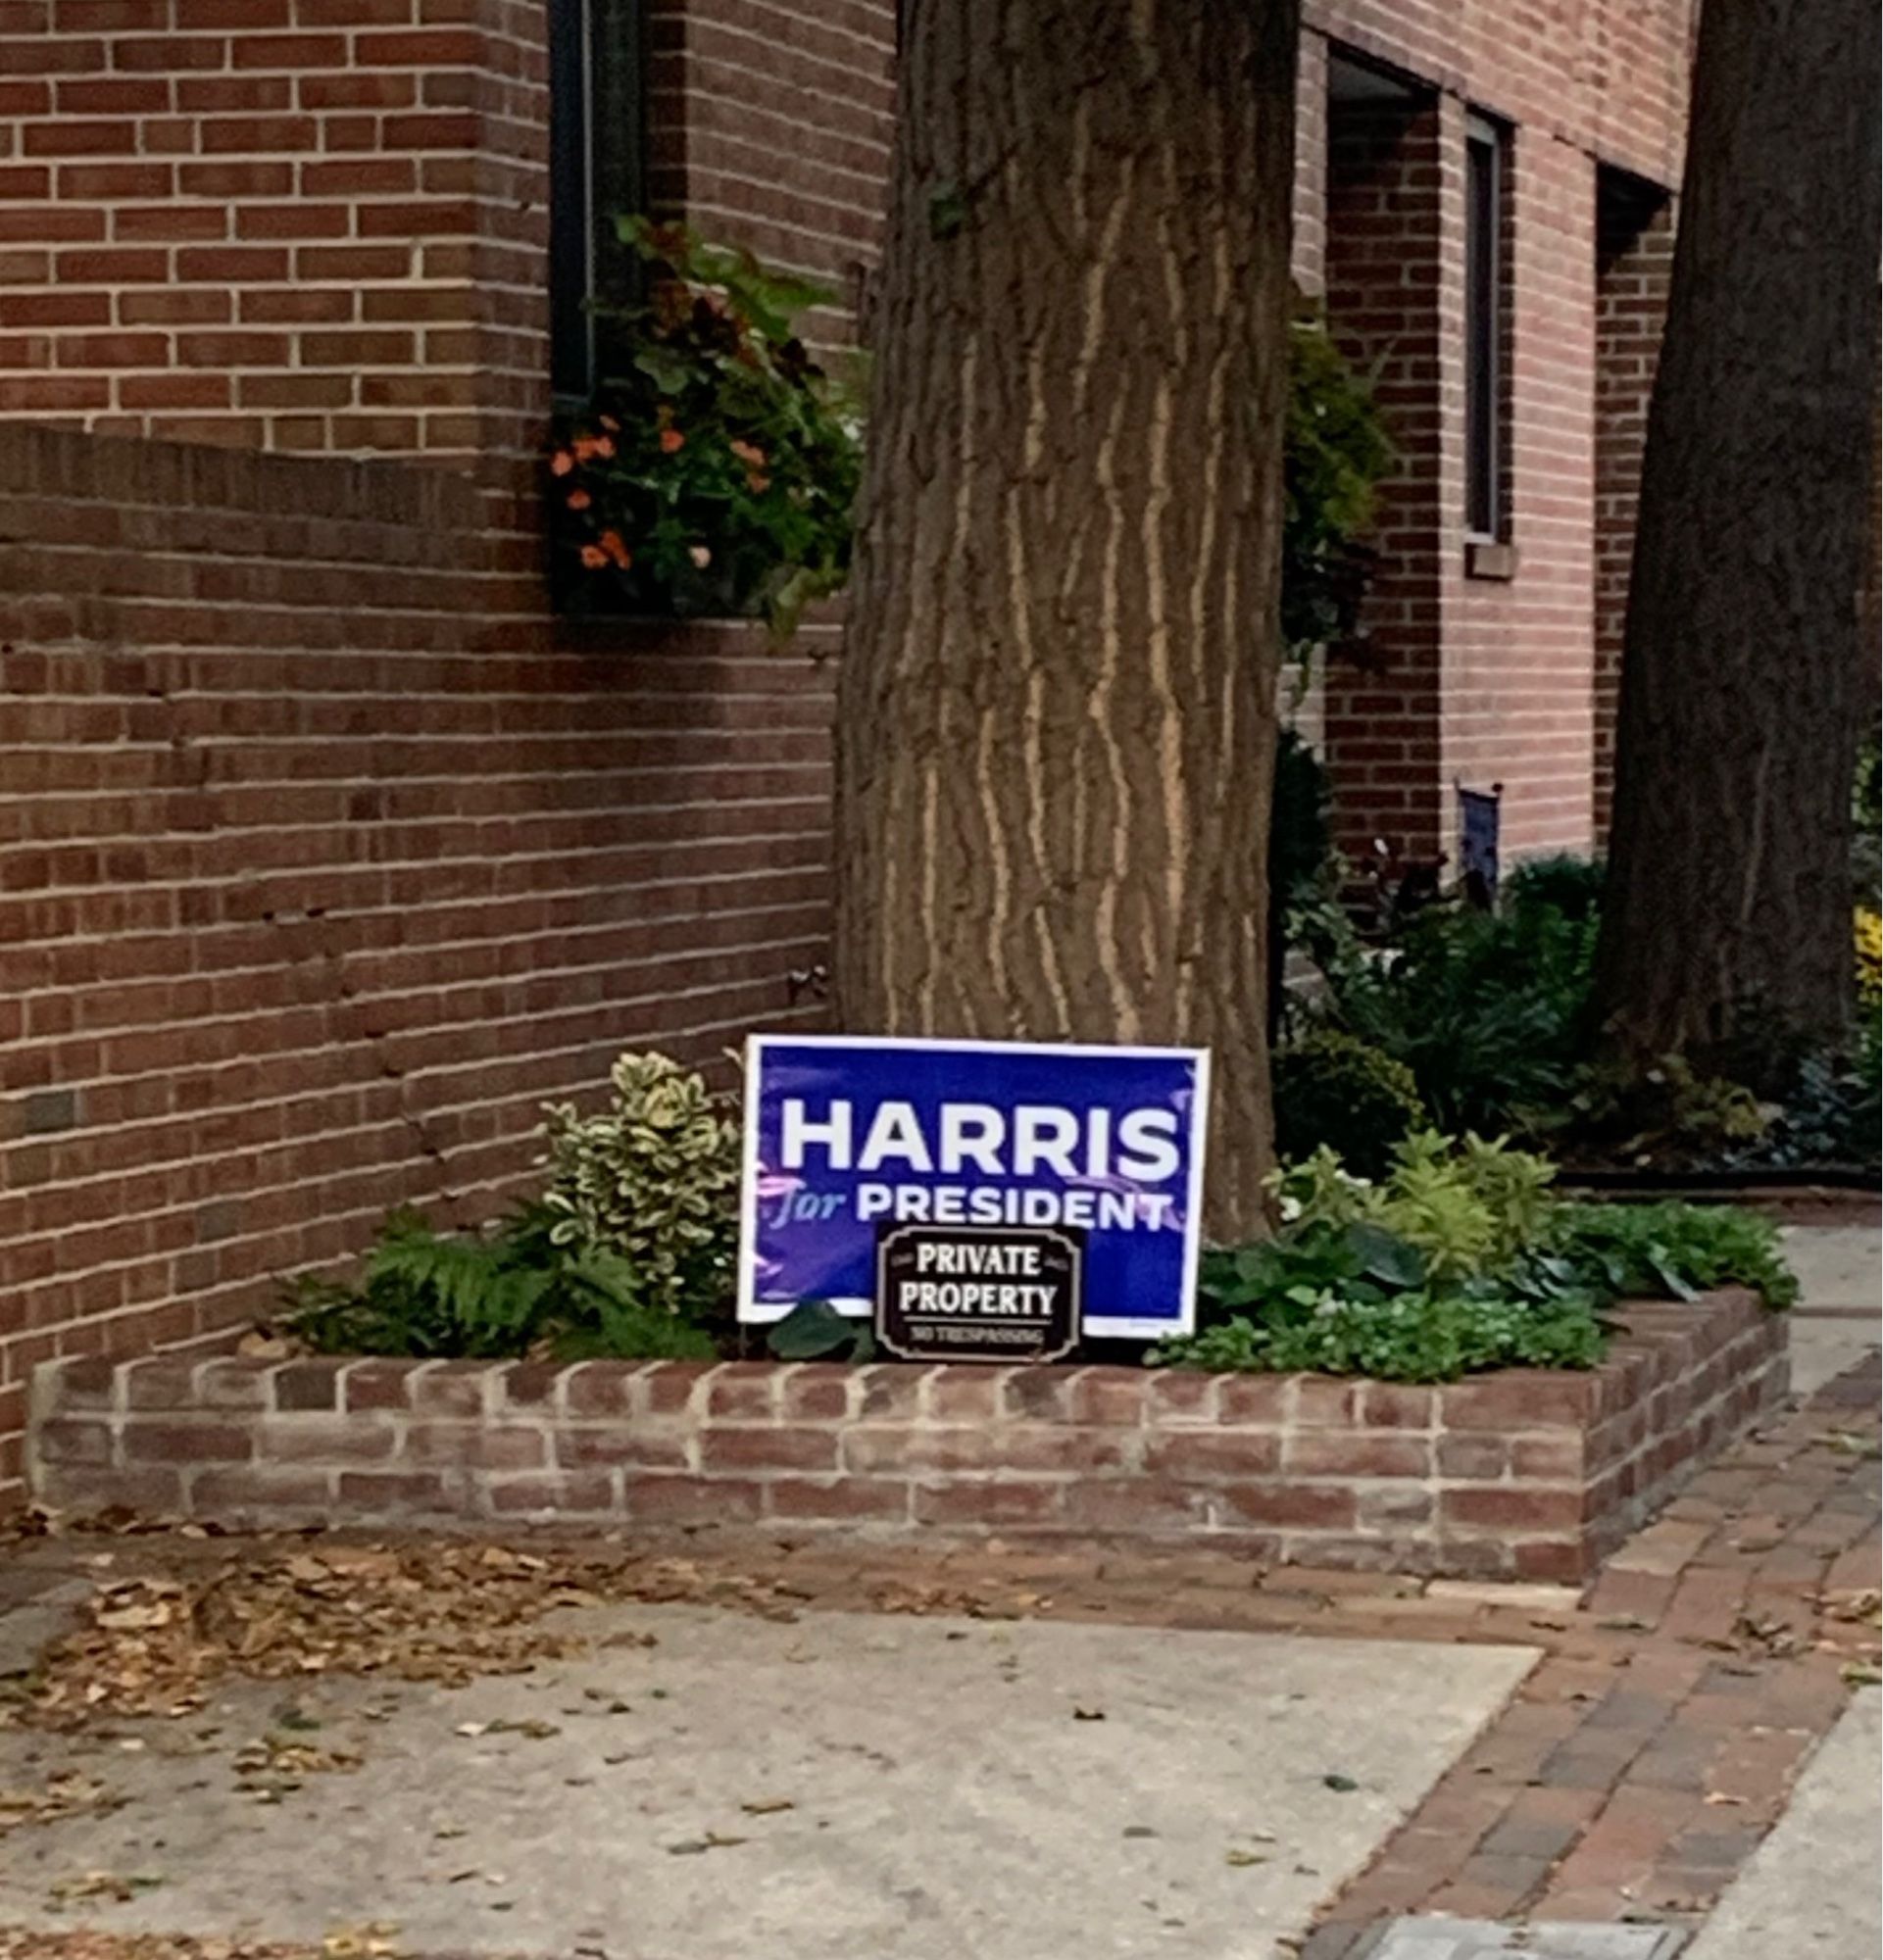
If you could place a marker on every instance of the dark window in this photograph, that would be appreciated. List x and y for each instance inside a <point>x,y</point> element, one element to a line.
<point>597,174</point>
<point>1486,305</point>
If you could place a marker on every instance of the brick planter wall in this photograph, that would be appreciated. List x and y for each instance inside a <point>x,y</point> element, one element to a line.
<point>1522,1474</point>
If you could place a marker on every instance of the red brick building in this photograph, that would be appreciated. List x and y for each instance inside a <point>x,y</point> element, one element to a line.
<point>326,851</point>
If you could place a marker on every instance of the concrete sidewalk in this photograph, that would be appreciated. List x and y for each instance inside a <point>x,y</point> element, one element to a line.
<point>847,1786</point>
<point>1840,1310</point>
<point>1812,1889</point>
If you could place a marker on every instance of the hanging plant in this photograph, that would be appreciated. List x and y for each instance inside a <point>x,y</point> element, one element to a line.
<point>716,473</point>
<point>1336,456</point>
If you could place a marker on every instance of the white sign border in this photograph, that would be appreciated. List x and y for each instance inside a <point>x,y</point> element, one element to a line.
<point>754,1312</point>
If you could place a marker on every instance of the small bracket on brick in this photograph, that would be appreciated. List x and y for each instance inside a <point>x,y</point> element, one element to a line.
<point>813,982</point>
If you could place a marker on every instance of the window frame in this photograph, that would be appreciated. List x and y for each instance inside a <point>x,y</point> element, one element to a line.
<point>1487,328</point>
<point>597,171</point>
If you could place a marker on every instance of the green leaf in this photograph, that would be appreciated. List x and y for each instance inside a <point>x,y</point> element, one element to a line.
<point>947,212</point>
<point>1673,1282</point>
<point>812,1330</point>
<point>1385,1257</point>
<point>669,371</point>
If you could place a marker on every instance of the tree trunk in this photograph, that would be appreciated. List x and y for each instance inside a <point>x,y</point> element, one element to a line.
<point>1056,714</point>
<point>1726,931</point>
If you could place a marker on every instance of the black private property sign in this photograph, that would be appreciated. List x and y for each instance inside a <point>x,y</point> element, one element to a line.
<point>969,1292</point>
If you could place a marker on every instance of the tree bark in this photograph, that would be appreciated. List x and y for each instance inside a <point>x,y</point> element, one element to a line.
<point>1056,714</point>
<point>1726,929</point>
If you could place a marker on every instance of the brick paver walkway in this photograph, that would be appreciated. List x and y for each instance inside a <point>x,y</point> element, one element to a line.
<point>1647,1754</point>
<point>1632,1775</point>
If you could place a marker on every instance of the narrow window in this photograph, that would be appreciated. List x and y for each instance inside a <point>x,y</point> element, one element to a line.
<point>1486,301</point>
<point>597,174</point>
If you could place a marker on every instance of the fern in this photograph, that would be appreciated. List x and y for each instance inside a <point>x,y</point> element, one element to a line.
<point>508,1291</point>
<point>473,1284</point>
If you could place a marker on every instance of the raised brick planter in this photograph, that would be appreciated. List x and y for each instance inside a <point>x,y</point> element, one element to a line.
<point>1527,1473</point>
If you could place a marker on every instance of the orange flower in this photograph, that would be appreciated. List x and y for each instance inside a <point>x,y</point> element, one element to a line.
<point>593,444</point>
<point>671,440</point>
<point>611,545</point>
<point>757,485</point>
<point>561,463</point>
<point>748,453</point>
<point>594,557</point>
<point>579,500</point>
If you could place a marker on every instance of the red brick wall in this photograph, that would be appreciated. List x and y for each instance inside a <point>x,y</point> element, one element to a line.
<point>326,861</point>
<point>1384,269</point>
<point>1474,679</point>
<point>323,225</point>
<point>275,222</point>
<point>1605,76</point>
<point>1309,255</point>
<point>1519,661</point>
<point>770,123</point>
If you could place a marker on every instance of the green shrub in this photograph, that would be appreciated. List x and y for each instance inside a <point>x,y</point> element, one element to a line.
<point>1336,453</point>
<point>629,1252</point>
<point>1565,883</point>
<point>1490,1010</point>
<point>1460,1259</point>
<point>1413,1337</point>
<point>1439,1269</point>
<point>654,1180</point>
<point>1833,1110</point>
<point>1493,1013</point>
<point>1334,1091</point>
<point>1674,1249</point>
<point>1665,1114</point>
<point>1469,1208</point>
<point>500,1293</point>
<point>1866,822</point>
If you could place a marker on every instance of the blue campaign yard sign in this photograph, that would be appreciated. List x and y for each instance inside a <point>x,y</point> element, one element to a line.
<point>846,1133</point>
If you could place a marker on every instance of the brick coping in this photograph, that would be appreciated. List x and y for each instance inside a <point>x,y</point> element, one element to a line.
<point>1530,1474</point>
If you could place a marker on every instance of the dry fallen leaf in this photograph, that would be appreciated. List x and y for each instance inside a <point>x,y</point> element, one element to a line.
<point>434,1613</point>
<point>67,1793</point>
<point>370,1941</point>
<point>688,1848</point>
<point>101,1885</point>
<point>275,1757</point>
<point>81,1944</point>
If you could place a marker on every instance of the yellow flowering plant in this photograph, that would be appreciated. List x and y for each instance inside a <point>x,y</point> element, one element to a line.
<point>1869,953</point>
